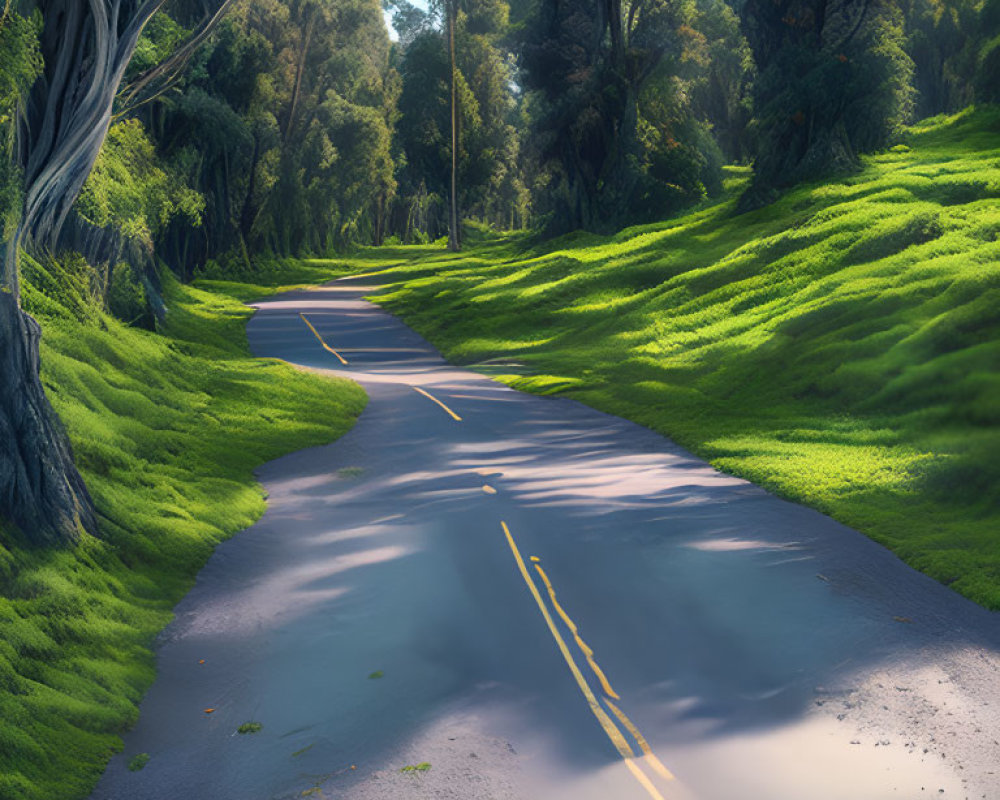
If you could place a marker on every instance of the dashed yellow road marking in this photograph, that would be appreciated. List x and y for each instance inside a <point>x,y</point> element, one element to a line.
<point>325,345</point>
<point>489,489</point>
<point>587,652</point>
<point>429,396</point>
<point>612,731</point>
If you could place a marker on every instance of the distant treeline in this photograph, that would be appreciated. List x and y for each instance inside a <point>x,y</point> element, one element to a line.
<point>299,127</point>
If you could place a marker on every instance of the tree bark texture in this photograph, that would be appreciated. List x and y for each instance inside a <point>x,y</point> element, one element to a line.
<point>87,46</point>
<point>40,489</point>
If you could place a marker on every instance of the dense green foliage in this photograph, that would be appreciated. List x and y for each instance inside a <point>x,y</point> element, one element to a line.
<point>841,347</point>
<point>133,197</point>
<point>491,175</point>
<point>130,188</point>
<point>283,124</point>
<point>615,129</point>
<point>305,130</point>
<point>20,65</point>
<point>987,87</point>
<point>942,37</point>
<point>717,74</point>
<point>834,82</point>
<point>167,430</point>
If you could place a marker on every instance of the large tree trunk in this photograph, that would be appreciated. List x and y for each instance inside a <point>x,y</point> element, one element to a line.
<point>87,46</point>
<point>40,489</point>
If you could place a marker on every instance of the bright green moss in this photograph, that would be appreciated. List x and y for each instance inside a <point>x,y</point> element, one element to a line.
<point>167,430</point>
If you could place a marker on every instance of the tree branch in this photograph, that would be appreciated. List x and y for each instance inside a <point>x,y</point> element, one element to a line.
<point>168,70</point>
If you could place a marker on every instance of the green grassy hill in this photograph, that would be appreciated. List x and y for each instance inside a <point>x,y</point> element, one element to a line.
<point>167,430</point>
<point>840,347</point>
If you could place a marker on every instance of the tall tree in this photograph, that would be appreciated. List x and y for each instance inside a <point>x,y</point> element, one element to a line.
<point>485,160</point>
<point>988,61</point>
<point>942,39</point>
<point>834,82</point>
<point>86,48</point>
<point>604,134</point>
<point>718,75</point>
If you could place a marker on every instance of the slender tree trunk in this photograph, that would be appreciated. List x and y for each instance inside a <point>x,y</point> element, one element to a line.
<point>454,233</point>
<point>247,212</point>
<point>299,76</point>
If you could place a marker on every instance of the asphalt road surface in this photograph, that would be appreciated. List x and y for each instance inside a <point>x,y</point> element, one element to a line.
<point>544,602</point>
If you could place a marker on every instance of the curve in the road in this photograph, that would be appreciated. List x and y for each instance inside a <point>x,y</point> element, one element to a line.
<point>417,590</point>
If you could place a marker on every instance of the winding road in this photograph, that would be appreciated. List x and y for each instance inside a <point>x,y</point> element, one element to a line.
<point>544,602</point>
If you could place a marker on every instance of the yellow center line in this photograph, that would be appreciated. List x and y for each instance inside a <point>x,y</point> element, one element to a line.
<point>587,652</point>
<point>489,489</point>
<point>654,762</point>
<point>429,396</point>
<point>325,345</point>
<point>612,731</point>
<point>645,782</point>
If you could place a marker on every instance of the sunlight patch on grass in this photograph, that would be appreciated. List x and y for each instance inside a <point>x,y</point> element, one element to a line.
<point>840,347</point>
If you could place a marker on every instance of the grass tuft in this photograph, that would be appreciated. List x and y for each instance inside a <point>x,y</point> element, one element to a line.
<point>249,728</point>
<point>139,762</point>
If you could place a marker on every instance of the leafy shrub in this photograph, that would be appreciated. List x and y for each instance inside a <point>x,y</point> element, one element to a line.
<point>127,295</point>
<point>132,189</point>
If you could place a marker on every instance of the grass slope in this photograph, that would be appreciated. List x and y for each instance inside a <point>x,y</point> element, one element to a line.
<point>167,429</point>
<point>840,347</point>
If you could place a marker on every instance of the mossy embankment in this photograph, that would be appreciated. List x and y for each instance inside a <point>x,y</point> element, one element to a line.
<point>840,347</point>
<point>167,429</point>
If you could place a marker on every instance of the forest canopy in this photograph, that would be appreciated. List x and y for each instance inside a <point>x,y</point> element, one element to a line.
<point>308,126</point>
